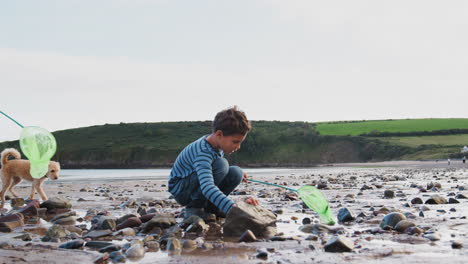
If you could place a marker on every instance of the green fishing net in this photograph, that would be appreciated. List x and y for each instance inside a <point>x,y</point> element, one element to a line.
<point>315,200</point>
<point>39,146</point>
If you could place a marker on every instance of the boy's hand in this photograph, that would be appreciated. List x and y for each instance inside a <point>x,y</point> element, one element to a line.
<point>244,177</point>
<point>252,201</point>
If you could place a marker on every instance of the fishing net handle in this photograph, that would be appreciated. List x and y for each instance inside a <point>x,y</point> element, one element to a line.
<point>267,183</point>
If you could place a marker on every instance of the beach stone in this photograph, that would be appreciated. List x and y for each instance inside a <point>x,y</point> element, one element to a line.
<point>117,257</point>
<point>162,221</point>
<point>434,185</point>
<point>306,221</point>
<point>189,245</point>
<point>129,203</point>
<point>31,209</point>
<point>24,237</point>
<point>98,244</point>
<point>215,230</point>
<point>125,218</point>
<point>365,187</point>
<point>345,215</point>
<point>152,246</point>
<point>17,202</point>
<point>110,248</point>
<point>338,244</point>
<point>417,200</point>
<point>457,244</point>
<point>130,222</point>
<point>312,238</point>
<point>389,194</point>
<point>128,231</point>
<point>319,228</point>
<point>55,232</point>
<point>453,201</point>
<point>70,220</point>
<point>106,223</point>
<point>173,244</point>
<point>74,244</point>
<point>146,218</point>
<point>436,199</point>
<point>414,230</point>
<point>244,216</point>
<point>403,225</point>
<point>98,233</point>
<point>195,224</point>
<point>248,236</point>
<point>262,255</point>
<point>392,219</point>
<point>432,236</point>
<point>57,202</point>
<point>461,196</point>
<point>10,222</point>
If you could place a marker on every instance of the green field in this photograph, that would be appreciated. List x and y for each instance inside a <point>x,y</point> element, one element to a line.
<point>445,140</point>
<point>355,128</point>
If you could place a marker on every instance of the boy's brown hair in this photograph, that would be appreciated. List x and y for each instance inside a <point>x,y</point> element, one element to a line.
<point>231,121</point>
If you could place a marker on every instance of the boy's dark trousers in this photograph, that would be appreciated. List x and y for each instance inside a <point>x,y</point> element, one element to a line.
<point>226,177</point>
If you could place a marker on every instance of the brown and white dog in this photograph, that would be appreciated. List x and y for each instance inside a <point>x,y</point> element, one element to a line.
<point>13,171</point>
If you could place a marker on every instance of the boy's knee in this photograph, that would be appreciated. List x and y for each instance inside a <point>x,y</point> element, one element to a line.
<point>235,174</point>
<point>221,166</point>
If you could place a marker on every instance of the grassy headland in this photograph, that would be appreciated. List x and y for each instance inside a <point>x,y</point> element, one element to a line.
<point>270,143</point>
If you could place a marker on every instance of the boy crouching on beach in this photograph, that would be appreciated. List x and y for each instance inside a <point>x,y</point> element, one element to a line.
<point>201,178</point>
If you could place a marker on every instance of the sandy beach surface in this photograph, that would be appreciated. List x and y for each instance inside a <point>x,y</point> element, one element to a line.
<point>437,232</point>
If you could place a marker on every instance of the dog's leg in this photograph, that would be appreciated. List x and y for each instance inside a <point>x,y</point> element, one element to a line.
<point>16,180</point>
<point>40,190</point>
<point>6,184</point>
<point>33,190</point>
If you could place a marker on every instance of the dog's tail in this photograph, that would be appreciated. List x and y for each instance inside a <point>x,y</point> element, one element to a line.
<point>7,152</point>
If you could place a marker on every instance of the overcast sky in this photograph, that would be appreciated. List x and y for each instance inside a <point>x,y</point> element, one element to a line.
<point>67,64</point>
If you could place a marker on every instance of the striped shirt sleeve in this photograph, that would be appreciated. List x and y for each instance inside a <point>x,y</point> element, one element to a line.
<point>204,171</point>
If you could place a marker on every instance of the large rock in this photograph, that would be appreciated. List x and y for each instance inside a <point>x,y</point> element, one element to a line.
<point>244,216</point>
<point>58,202</point>
<point>339,244</point>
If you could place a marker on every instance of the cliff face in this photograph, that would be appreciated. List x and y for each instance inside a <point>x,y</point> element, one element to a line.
<point>153,145</point>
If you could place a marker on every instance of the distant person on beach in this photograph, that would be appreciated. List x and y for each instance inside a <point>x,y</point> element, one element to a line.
<point>448,161</point>
<point>464,159</point>
<point>201,178</point>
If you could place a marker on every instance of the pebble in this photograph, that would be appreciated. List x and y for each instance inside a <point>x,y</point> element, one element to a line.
<point>74,244</point>
<point>345,215</point>
<point>403,225</point>
<point>457,244</point>
<point>392,219</point>
<point>389,194</point>
<point>338,244</point>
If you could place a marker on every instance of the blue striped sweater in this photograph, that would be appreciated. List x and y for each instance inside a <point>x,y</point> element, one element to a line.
<point>198,157</point>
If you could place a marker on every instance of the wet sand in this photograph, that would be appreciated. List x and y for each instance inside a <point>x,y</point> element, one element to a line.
<point>341,183</point>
